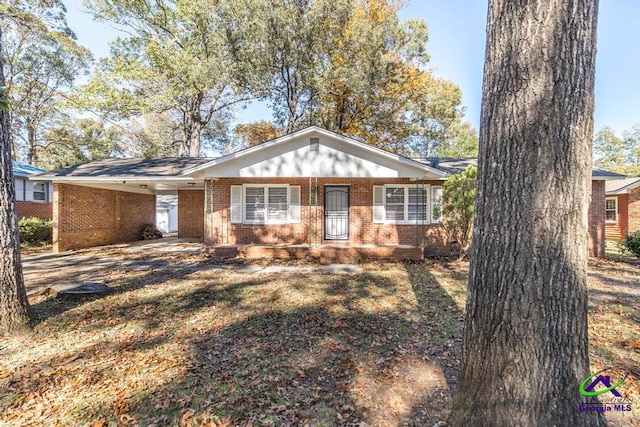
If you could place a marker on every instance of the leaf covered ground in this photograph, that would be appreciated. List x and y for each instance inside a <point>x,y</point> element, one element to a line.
<point>210,346</point>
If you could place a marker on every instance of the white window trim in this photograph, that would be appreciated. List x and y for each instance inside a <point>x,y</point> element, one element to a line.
<point>44,191</point>
<point>266,203</point>
<point>406,221</point>
<point>610,221</point>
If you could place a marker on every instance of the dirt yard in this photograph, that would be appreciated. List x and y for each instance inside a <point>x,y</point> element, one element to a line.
<point>182,340</point>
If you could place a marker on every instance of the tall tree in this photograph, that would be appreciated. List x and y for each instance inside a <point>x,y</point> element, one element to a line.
<point>618,154</point>
<point>350,66</point>
<point>525,348</point>
<point>15,313</point>
<point>173,60</point>
<point>79,141</point>
<point>41,62</point>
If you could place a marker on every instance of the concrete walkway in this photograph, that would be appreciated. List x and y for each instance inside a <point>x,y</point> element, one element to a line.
<point>72,268</point>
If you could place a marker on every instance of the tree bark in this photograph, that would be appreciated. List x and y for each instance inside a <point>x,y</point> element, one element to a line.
<point>525,349</point>
<point>32,155</point>
<point>15,314</point>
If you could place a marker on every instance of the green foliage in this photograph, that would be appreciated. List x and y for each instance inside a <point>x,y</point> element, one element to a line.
<point>632,243</point>
<point>618,154</point>
<point>79,141</point>
<point>458,199</point>
<point>35,231</point>
<point>174,61</point>
<point>42,60</point>
<point>353,67</point>
<point>461,142</point>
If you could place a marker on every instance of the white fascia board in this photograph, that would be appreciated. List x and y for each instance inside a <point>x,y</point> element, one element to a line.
<point>87,179</point>
<point>326,133</point>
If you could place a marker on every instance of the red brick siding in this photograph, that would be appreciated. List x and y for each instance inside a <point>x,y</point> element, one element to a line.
<point>617,230</point>
<point>85,217</point>
<point>191,213</point>
<point>596,225</point>
<point>37,209</point>
<point>633,210</point>
<point>219,230</point>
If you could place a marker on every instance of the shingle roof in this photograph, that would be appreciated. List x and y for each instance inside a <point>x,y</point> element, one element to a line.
<point>449,165</point>
<point>23,169</point>
<point>454,166</point>
<point>606,173</point>
<point>620,185</point>
<point>136,167</point>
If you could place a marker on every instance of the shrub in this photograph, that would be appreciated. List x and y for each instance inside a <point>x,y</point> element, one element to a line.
<point>458,198</point>
<point>632,243</point>
<point>35,231</point>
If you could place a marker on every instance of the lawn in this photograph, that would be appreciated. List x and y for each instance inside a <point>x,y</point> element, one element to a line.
<point>205,346</point>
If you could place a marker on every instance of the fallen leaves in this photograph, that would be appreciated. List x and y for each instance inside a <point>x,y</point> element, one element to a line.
<point>202,348</point>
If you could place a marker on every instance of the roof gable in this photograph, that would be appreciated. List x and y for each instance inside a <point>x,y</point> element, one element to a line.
<point>622,186</point>
<point>334,156</point>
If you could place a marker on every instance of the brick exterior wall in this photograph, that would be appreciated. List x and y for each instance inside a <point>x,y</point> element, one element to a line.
<point>596,225</point>
<point>618,230</point>
<point>37,209</point>
<point>633,210</point>
<point>219,230</point>
<point>85,217</point>
<point>191,213</point>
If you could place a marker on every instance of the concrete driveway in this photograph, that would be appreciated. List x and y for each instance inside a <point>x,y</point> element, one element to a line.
<point>102,264</point>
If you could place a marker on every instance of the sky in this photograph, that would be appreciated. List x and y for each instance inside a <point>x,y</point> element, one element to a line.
<point>456,46</point>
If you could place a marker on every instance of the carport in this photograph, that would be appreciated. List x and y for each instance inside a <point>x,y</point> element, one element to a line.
<point>110,201</point>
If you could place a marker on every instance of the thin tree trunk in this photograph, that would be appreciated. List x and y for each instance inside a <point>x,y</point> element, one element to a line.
<point>15,314</point>
<point>32,156</point>
<point>525,349</point>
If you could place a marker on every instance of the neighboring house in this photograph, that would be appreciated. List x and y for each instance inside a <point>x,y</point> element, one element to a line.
<point>167,213</point>
<point>32,198</point>
<point>310,193</point>
<point>622,208</point>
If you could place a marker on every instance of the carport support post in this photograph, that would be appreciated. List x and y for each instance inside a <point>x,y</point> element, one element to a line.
<point>55,235</point>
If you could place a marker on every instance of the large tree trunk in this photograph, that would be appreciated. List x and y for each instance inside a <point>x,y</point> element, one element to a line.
<point>15,314</point>
<point>525,340</point>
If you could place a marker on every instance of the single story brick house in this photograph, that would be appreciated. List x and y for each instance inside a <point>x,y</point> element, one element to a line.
<point>310,193</point>
<point>33,199</point>
<point>622,208</point>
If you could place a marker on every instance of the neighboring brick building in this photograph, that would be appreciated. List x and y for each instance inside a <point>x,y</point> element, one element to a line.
<point>622,208</point>
<point>311,193</point>
<point>32,198</point>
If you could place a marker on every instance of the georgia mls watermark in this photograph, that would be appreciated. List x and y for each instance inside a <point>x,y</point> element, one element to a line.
<point>589,388</point>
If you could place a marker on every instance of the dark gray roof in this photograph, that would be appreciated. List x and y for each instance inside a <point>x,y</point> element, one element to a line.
<point>606,174</point>
<point>454,166</point>
<point>448,165</point>
<point>23,169</point>
<point>140,167</point>
<point>620,185</point>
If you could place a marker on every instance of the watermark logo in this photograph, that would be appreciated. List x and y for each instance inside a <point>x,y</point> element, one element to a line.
<point>588,387</point>
<point>599,384</point>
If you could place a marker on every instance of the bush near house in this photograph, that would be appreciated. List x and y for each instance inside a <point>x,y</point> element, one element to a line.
<point>35,231</point>
<point>632,243</point>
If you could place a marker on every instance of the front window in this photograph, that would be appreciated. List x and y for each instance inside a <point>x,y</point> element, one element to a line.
<point>39,192</point>
<point>266,205</point>
<point>394,204</point>
<point>611,209</point>
<point>407,204</point>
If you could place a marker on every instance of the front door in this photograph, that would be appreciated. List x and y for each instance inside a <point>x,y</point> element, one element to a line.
<point>336,212</point>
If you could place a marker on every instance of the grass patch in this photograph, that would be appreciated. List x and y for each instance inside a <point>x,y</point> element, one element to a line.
<point>179,346</point>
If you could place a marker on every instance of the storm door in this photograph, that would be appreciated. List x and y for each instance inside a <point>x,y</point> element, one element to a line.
<point>336,212</point>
